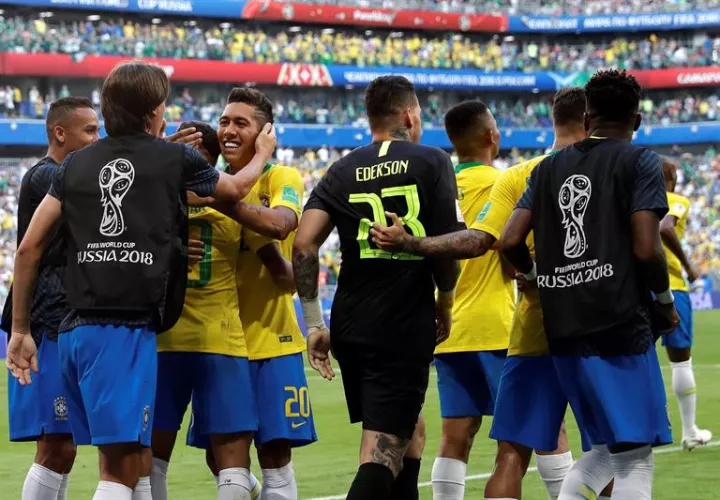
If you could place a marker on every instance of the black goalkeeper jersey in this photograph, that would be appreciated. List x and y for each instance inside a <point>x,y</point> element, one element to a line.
<point>386,299</point>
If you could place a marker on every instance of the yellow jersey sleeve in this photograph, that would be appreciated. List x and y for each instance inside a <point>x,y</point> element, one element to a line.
<point>499,207</point>
<point>484,298</point>
<point>680,209</point>
<point>286,188</point>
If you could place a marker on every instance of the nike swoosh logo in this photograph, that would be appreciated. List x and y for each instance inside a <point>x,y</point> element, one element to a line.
<point>295,425</point>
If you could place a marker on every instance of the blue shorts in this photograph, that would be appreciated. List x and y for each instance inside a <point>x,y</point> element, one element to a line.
<point>283,400</point>
<point>530,404</point>
<point>682,336</point>
<point>204,378</point>
<point>468,382</point>
<point>617,399</point>
<point>109,373</point>
<point>41,407</point>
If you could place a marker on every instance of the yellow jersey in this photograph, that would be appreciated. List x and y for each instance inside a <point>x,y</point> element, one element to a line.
<point>484,298</point>
<point>267,312</point>
<point>527,336</point>
<point>210,320</point>
<point>680,209</point>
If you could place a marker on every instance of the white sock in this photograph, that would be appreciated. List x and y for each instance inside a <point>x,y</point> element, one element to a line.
<point>62,492</point>
<point>41,484</point>
<point>279,484</point>
<point>158,479</point>
<point>589,475</point>
<point>633,474</point>
<point>553,469</point>
<point>234,484</point>
<point>603,498</point>
<point>143,489</point>
<point>501,499</point>
<point>107,490</point>
<point>448,479</point>
<point>683,382</point>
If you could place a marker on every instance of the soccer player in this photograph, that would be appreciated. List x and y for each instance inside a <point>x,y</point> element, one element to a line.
<point>39,412</point>
<point>384,327</point>
<point>595,209</point>
<point>205,352</point>
<point>679,342</point>
<point>121,199</point>
<point>469,363</point>
<point>528,384</point>
<point>265,283</point>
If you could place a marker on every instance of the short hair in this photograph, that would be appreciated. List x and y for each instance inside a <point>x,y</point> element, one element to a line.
<point>464,117</point>
<point>209,136</point>
<point>569,106</point>
<point>386,96</point>
<point>60,112</point>
<point>131,92</point>
<point>613,96</point>
<point>253,97</point>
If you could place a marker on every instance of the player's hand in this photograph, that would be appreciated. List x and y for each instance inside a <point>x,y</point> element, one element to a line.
<point>22,357</point>
<point>196,251</point>
<point>266,141</point>
<point>523,284</point>
<point>392,238</point>
<point>318,352</point>
<point>666,317</point>
<point>692,273</point>
<point>188,136</point>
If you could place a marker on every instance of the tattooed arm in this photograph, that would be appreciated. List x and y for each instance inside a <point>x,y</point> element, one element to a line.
<point>312,232</point>
<point>465,244</point>
<point>276,223</point>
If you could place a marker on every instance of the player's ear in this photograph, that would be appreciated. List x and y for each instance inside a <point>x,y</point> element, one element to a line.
<point>59,134</point>
<point>638,121</point>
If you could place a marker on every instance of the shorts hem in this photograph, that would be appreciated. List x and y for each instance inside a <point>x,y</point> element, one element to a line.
<point>108,440</point>
<point>265,358</point>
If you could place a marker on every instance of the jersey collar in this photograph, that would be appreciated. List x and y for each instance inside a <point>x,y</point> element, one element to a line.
<point>462,166</point>
<point>268,166</point>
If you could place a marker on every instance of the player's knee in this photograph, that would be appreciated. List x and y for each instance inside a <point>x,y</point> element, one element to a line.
<point>58,455</point>
<point>458,436</point>
<point>563,445</point>
<point>163,443</point>
<point>210,461</point>
<point>418,440</point>
<point>512,459</point>
<point>275,454</point>
<point>384,449</point>
<point>121,463</point>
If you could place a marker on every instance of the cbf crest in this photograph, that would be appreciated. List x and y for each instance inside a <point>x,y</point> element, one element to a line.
<point>61,408</point>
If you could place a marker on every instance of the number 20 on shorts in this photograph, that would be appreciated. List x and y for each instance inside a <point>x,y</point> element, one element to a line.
<point>410,219</point>
<point>300,397</point>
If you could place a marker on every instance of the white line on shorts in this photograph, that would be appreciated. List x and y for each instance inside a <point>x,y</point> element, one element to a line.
<point>485,475</point>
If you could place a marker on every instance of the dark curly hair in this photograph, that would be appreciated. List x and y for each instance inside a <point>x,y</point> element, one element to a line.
<point>613,96</point>
<point>253,97</point>
<point>209,137</point>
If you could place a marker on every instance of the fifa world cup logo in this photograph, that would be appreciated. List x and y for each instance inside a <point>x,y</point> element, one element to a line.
<point>573,200</point>
<point>115,180</point>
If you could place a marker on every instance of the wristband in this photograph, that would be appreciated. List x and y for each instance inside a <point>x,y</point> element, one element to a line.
<point>532,275</point>
<point>665,297</point>
<point>312,312</point>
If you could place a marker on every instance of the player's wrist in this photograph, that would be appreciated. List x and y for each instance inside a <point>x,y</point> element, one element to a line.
<point>665,297</point>
<point>312,312</point>
<point>445,299</point>
<point>532,274</point>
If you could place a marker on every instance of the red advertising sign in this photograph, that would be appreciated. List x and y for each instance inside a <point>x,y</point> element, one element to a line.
<point>678,77</point>
<point>185,70</point>
<point>367,16</point>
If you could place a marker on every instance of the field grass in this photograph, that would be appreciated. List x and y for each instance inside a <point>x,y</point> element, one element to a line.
<point>326,468</point>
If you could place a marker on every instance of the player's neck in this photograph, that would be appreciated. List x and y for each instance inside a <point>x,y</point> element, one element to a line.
<point>564,136</point>
<point>57,154</point>
<point>396,134</point>
<point>612,132</point>
<point>482,157</point>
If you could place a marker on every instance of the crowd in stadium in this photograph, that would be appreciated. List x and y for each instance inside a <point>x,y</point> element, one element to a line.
<point>543,7</point>
<point>348,107</point>
<point>225,42</point>
<point>699,180</point>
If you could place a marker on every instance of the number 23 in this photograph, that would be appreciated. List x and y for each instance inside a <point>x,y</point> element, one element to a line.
<point>410,219</point>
